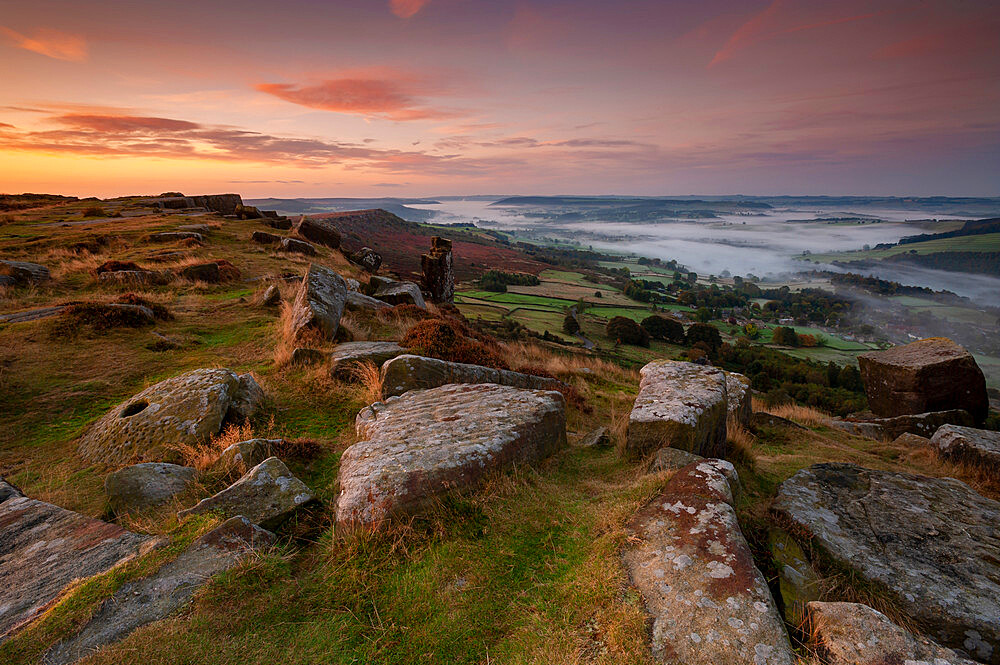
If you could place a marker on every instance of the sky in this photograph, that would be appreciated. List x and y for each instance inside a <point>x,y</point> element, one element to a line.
<point>435,97</point>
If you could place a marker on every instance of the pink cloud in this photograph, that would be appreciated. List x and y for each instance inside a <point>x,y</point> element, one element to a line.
<point>51,43</point>
<point>391,95</point>
<point>767,25</point>
<point>406,8</point>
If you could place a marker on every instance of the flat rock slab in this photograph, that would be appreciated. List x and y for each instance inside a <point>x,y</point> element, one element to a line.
<point>319,302</point>
<point>152,598</point>
<point>595,438</point>
<point>400,293</point>
<point>690,562</point>
<point>31,315</point>
<point>934,374</point>
<point>349,354</point>
<point>359,302</point>
<point>931,543</point>
<point>921,424</point>
<point>184,410</point>
<point>267,494</point>
<point>671,459</point>
<point>680,405</point>
<point>978,446</point>
<point>855,634</point>
<point>170,236</point>
<point>739,394</point>
<point>410,372</point>
<point>24,272</point>
<point>43,548</point>
<point>142,486</point>
<point>429,442</point>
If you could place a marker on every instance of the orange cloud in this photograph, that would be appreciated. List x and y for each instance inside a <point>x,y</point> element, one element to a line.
<point>393,96</point>
<point>52,43</point>
<point>406,8</point>
<point>760,28</point>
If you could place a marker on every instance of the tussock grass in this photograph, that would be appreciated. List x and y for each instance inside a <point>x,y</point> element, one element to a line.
<point>741,442</point>
<point>369,376</point>
<point>803,415</point>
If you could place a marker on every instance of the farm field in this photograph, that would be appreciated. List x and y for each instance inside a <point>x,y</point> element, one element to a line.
<point>987,242</point>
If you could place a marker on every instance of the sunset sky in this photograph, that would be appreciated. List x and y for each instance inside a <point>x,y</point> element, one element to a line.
<point>434,97</point>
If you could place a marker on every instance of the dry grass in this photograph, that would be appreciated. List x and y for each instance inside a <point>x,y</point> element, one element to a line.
<point>803,415</point>
<point>369,376</point>
<point>563,365</point>
<point>286,336</point>
<point>359,326</point>
<point>741,443</point>
<point>203,456</point>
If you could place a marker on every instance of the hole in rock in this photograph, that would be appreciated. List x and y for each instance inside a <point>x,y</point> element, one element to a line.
<point>134,408</point>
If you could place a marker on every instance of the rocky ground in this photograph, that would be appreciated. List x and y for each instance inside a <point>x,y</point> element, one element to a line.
<point>224,441</point>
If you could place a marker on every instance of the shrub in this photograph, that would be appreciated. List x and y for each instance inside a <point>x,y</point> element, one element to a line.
<point>664,328</point>
<point>94,211</point>
<point>570,325</point>
<point>626,331</point>
<point>446,340</point>
<point>159,311</point>
<point>102,316</point>
<point>115,266</point>
<point>704,332</point>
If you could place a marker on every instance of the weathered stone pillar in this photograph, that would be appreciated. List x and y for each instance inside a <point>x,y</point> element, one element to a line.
<point>439,273</point>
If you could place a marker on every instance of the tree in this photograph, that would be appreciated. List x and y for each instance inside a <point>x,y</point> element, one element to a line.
<point>661,327</point>
<point>785,336</point>
<point>597,294</point>
<point>704,332</point>
<point>570,324</point>
<point>703,314</point>
<point>692,277</point>
<point>626,331</point>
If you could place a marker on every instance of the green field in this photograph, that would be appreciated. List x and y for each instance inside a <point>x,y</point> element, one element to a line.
<point>986,242</point>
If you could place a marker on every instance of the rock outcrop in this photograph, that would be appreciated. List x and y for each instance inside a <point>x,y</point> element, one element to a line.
<point>319,231</point>
<point>410,372</point>
<point>294,246</point>
<point>934,374</point>
<point>319,303</point>
<point>690,562</point>
<point>347,355</point>
<point>921,424</point>
<point>930,543</point>
<point>429,442</point>
<point>398,293</point>
<point>359,302</point>
<point>739,394</point>
<point>224,204</point>
<point>855,634</point>
<point>439,273</point>
<point>367,258</point>
<point>244,455</point>
<point>267,495</point>
<point>43,548</point>
<point>159,595</point>
<point>680,405</point>
<point>184,410</point>
<point>966,444</point>
<point>143,486</point>
<point>24,272</point>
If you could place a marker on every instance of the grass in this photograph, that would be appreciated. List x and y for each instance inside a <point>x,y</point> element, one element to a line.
<point>986,242</point>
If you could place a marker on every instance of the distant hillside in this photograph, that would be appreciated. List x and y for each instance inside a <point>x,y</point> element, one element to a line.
<point>401,244</point>
<point>970,228</point>
<point>307,206</point>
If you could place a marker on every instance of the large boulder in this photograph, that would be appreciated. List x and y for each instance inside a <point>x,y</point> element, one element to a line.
<point>410,372</point>
<point>928,543</point>
<point>319,303</point>
<point>855,634</point>
<point>978,446</point>
<point>739,394</point>
<point>267,494</point>
<point>157,596</point>
<point>681,405</point>
<point>359,302</point>
<point>24,272</point>
<point>349,354</point>
<point>145,485</point>
<point>297,247</point>
<point>425,443</point>
<point>934,374</point>
<point>399,293</point>
<point>438,270</point>
<point>43,548</point>
<point>921,424</point>
<point>185,410</point>
<point>202,272</point>
<point>173,236</point>
<point>319,231</point>
<point>265,238</point>
<point>244,455</point>
<point>224,204</point>
<point>695,572</point>
<point>367,258</point>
